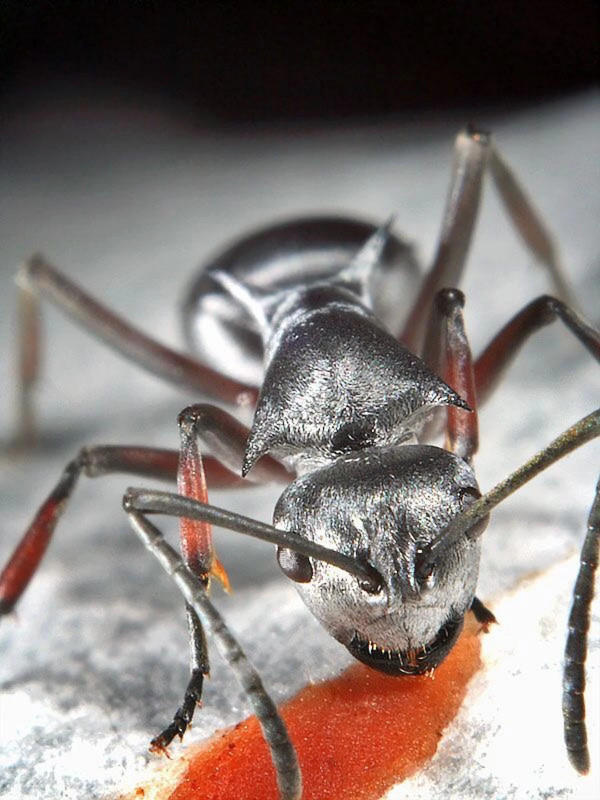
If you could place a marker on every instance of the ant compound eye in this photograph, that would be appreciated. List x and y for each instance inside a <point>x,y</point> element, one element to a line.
<point>294,565</point>
<point>427,581</point>
<point>372,585</point>
<point>468,495</point>
<point>424,578</point>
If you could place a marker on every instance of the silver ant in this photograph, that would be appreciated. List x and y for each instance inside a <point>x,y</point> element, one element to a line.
<point>380,532</point>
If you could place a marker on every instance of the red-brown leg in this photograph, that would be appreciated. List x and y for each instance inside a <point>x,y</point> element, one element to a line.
<point>28,365</point>
<point>93,462</point>
<point>447,352</point>
<point>156,463</point>
<point>529,224</point>
<point>195,536</point>
<point>38,279</point>
<point>25,560</point>
<point>198,553</point>
<point>492,363</point>
<point>471,152</point>
<point>474,154</point>
<point>227,437</point>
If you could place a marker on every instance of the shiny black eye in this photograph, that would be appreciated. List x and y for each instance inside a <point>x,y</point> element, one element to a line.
<point>424,575</point>
<point>296,566</point>
<point>372,585</point>
<point>467,495</point>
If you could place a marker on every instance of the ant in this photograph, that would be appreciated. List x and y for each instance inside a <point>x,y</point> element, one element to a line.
<point>380,532</point>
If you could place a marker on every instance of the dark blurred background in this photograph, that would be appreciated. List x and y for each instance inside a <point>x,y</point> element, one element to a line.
<point>244,62</point>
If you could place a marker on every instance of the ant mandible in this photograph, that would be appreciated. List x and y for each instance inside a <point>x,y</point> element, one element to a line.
<point>380,532</point>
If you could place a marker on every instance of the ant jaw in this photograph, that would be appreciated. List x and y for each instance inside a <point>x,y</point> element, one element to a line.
<point>412,661</point>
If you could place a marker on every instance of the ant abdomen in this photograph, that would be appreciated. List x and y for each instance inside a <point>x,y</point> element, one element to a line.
<point>284,256</point>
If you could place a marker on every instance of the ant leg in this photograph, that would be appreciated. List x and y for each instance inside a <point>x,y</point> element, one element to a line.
<point>227,437</point>
<point>28,316</point>
<point>474,153</point>
<point>199,556</point>
<point>499,353</point>
<point>471,151</point>
<point>447,352</point>
<point>154,462</point>
<point>37,278</point>
<point>195,422</point>
<point>199,667</point>
<point>465,524</point>
<point>283,755</point>
<point>576,646</point>
<point>95,462</point>
<point>528,223</point>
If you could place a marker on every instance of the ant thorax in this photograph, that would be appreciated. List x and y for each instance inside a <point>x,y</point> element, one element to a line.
<point>325,350</point>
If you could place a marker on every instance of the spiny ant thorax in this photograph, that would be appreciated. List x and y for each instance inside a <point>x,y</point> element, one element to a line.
<point>326,350</point>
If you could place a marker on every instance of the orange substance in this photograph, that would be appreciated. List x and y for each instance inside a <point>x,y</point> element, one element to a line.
<point>355,735</point>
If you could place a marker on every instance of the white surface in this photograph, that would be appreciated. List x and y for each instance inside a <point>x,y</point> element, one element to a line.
<point>127,201</point>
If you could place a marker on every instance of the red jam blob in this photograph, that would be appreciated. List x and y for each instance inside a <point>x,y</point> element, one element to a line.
<point>356,735</point>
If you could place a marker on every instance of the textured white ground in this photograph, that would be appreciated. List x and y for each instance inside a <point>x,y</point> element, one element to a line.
<point>127,200</point>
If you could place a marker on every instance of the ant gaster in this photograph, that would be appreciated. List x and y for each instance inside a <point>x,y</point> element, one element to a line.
<point>380,532</point>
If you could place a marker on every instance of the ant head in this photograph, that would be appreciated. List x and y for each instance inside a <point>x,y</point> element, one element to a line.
<point>381,507</point>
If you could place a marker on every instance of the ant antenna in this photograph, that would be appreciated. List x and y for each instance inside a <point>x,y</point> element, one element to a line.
<point>573,701</point>
<point>150,501</point>
<point>283,753</point>
<point>578,434</point>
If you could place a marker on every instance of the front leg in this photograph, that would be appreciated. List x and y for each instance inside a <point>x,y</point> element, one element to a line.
<point>199,556</point>
<point>283,754</point>
<point>199,668</point>
<point>227,438</point>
